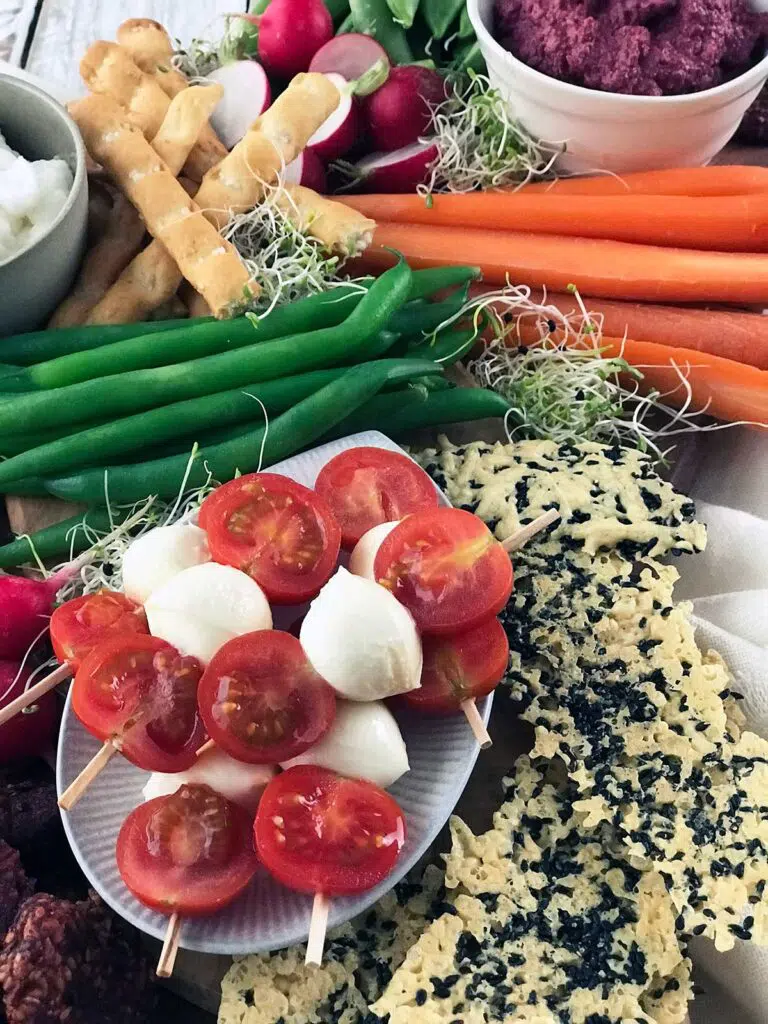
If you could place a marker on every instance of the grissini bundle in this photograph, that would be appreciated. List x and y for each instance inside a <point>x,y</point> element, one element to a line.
<point>236,185</point>
<point>151,49</point>
<point>108,70</point>
<point>210,264</point>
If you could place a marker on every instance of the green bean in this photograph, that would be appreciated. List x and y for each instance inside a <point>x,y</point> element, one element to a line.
<point>414,321</point>
<point>447,348</point>
<point>347,26</point>
<point>436,279</point>
<point>27,349</point>
<point>100,445</point>
<point>192,341</point>
<point>374,18</point>
<point>144,389</point>
<point>393,415</point>
<point>59,540</point>
<point>297,428</point>
<point>440,15</point>
<point>30,487</point>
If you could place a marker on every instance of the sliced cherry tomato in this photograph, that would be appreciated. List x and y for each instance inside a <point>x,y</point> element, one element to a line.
<point>140,691</point>
<point>79,625</point>
<point>32,731</point>
<point>447,568</point>
<point>368,486</point>
<point>189,853</point>
<point>463,666</point>
<point>262,701</point>
<point>318,832</point>
<point>279,532</point>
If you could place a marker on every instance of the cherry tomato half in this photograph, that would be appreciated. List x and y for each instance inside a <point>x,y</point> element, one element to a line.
<point>32,731</point>
<point>141,691</point>
<point>365,487</point>
<point>318,832</point>
<point>463,666</point>
<point>191,852</point>
<point>262,701</point>
<point>279,532</point>
<point>447,568</point>
<point>79,625</point>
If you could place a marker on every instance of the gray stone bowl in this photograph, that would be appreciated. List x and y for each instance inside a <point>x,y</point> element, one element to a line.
<point>34,282</point>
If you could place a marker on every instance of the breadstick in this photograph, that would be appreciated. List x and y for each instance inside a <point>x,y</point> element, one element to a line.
<point>237,186</point>
<point>209,263</point>
<point>104,261</point>
<point>187,115</point>
<point>273,141</point>
<point>337,227</point>
<point>108,70</point>
<point>150,46</point>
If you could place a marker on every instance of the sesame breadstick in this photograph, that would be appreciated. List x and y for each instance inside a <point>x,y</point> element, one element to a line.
<point>253,164</point>
<point>187,115</point>
<point>150,47</point>
<point>210,264</point>
<point>108,70</point>
<point>103,262</point>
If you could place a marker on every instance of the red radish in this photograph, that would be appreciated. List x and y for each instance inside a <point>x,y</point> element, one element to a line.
<point>308,170</point>
<point>338,134</point>
<point>25,608</point>
<point>290,34</point>
<point>401,171</point>
<point>247,94</point>
<point>32,731</point>
<point>400,112</point>
<point>356,57</point>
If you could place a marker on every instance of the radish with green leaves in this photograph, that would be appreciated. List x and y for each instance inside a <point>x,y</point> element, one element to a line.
<point>247,94</point>
<point>339,133</point>
<point>400,112</point>
<point>290,34</point>
<point>307,170</point>
<point>401,171</point>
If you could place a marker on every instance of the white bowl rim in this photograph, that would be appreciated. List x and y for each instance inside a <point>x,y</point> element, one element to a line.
<point>748,78</point>
<point>80,162</point>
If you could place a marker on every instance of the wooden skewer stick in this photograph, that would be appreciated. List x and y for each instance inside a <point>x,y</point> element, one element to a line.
<point>167,959</point>
<point>317,929</point>
<point>95,766</point>
<point>205,748</point>
<point>521,537</point>
<point>35,692</point>
<point>476,724</point>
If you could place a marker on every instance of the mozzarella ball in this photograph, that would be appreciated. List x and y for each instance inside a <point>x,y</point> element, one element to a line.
<point>203,607</point>
<point>364,742</point>
<point>361,639</point>
<point>158,555</point>
<point>241,783</point>
<point>364,552</point>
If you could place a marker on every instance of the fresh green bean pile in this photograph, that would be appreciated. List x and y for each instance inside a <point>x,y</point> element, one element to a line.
<point>115,414</point>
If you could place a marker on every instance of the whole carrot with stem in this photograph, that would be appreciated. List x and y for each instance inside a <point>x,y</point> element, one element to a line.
<point>605,269</point>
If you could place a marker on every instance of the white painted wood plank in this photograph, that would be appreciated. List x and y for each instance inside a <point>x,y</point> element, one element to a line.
<point>67,27</point>
<point>15,19</point>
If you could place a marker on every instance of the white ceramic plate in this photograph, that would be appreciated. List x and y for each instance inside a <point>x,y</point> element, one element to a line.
<point>442,753</point>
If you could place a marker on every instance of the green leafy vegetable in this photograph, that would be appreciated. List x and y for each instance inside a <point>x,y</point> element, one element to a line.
<point>403,11</point>
<point>374,18</point>
<point>440,15</point>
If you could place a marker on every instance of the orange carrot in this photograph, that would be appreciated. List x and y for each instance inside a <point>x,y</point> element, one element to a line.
<point>723,388</point>
<point>611,270</point>
<point>729,223</point>
<point>736,180</point>
<point>742,337</point>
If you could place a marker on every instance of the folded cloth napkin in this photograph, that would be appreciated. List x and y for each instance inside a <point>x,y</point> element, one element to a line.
<point>728,586</point>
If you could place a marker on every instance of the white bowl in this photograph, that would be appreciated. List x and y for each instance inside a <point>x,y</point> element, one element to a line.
<point>442,753</point>
<point>611,132</point>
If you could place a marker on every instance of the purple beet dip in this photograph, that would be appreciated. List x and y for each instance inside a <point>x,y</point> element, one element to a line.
<point>642,47</point>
